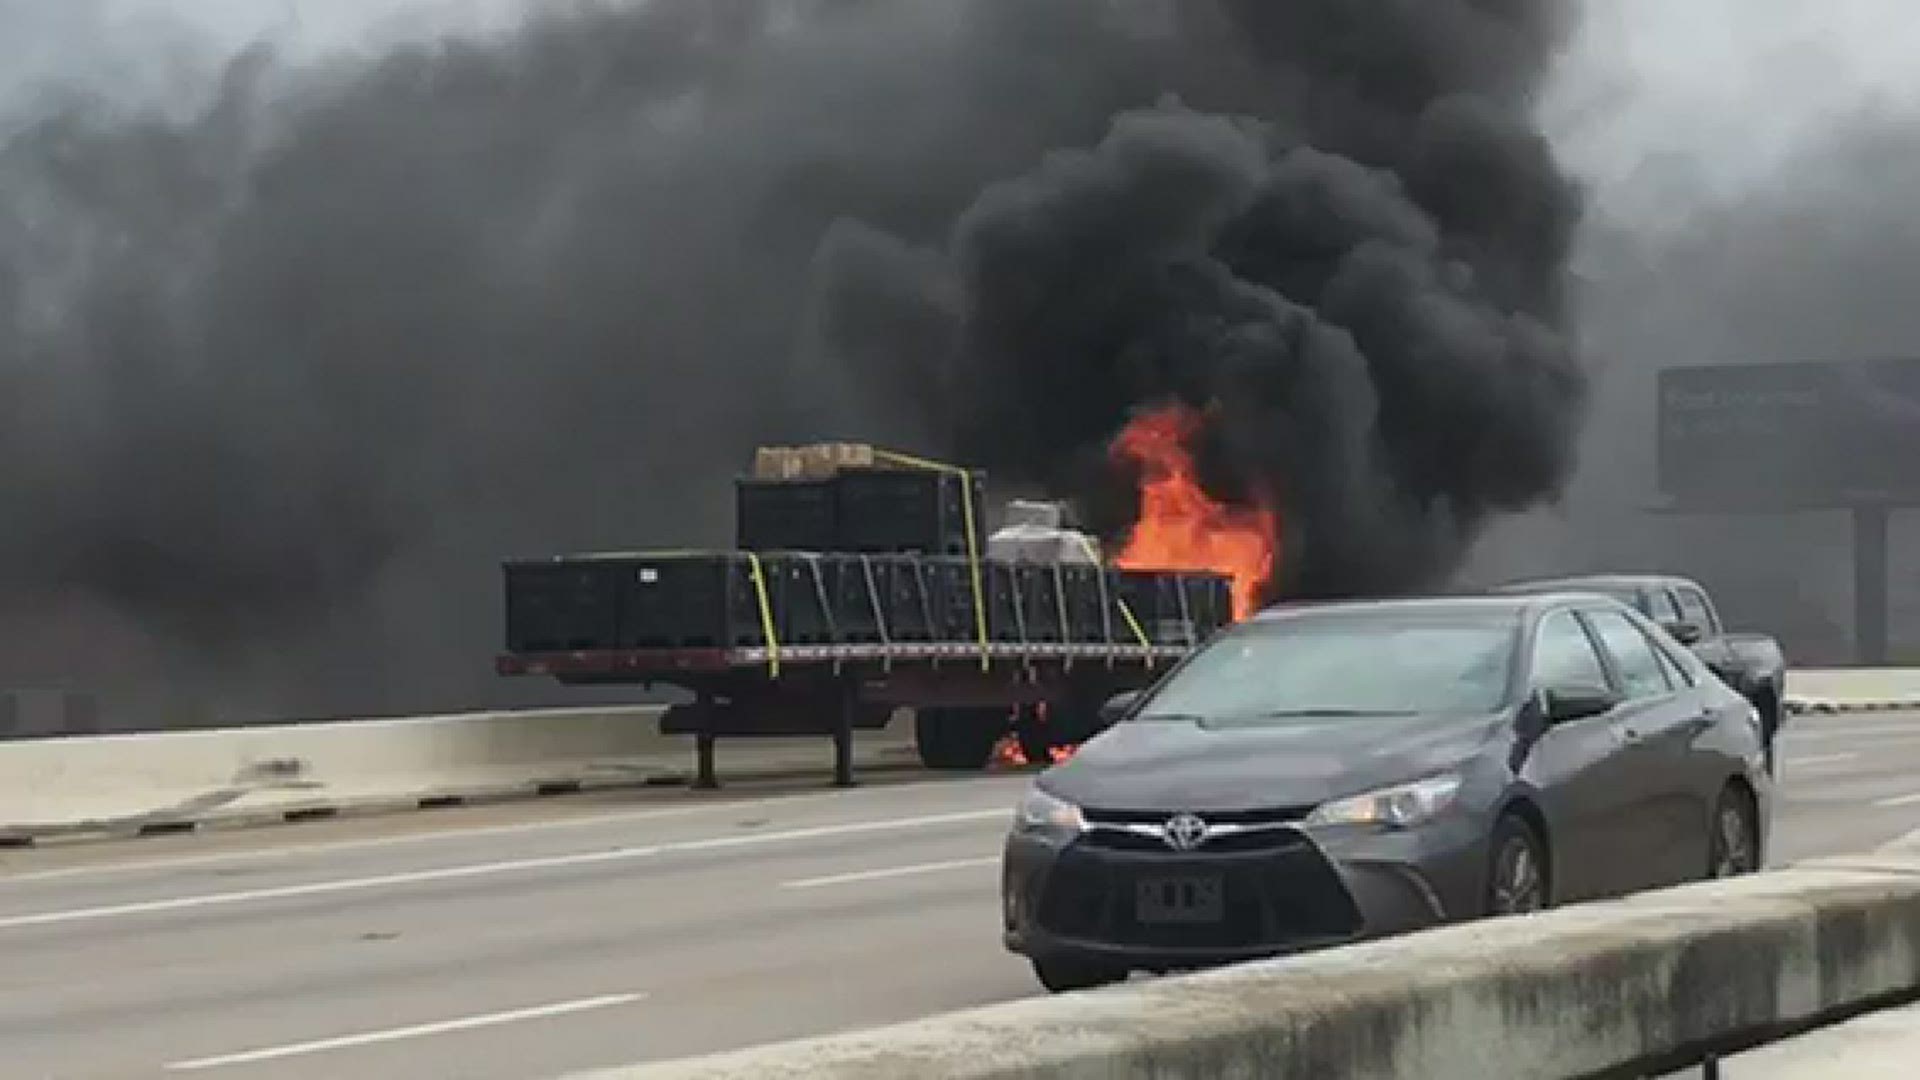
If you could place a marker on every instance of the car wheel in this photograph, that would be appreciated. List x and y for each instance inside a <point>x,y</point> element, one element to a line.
<point>1035,735</point>
<point>957,740</point>
<point>1517,869</point>
<point>1061,975</point>
<point>1733,847</point>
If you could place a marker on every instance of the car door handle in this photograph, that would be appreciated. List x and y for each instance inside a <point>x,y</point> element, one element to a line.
<point>1629,734</point>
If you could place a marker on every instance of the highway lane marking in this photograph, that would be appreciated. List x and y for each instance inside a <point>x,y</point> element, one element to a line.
<point>1820,759</point>
<point>890,872</point>
<point>1898,800</point>
<point>415,1031</point>
<point>1887,732</point>
<point>508,866</point>
<point>476,832</point>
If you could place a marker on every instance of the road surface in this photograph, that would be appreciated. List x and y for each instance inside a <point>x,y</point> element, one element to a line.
<point>530,940</point>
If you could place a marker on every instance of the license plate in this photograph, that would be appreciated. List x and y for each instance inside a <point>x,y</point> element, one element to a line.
<point>1179,900</point>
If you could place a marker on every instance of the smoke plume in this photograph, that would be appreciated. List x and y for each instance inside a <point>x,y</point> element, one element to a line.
<point>287,371</point>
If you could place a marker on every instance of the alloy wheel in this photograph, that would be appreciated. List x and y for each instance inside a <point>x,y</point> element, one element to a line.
<point>1733,853</point>
<point>1517,884</point>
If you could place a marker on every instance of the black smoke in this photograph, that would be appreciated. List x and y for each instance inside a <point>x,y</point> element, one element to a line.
<point>285,377</point>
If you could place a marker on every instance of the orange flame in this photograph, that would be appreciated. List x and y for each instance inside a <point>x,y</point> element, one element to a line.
<point>1180,526</point>
<point>1007,752</point>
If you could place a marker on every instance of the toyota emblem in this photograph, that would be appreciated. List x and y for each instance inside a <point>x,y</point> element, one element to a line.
<point>1184,832</point>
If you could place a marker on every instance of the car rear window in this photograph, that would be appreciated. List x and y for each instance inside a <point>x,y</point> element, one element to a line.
<point>1343,666</point>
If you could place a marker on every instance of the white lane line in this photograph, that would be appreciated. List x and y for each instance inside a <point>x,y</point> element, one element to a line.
<point>458,833</point>
<point>1889,733</point>
<point>889,872</point>
<point>1898,800</point>
<point>440,1027</point>
<point>1820,759</point>
<point>452,873</point>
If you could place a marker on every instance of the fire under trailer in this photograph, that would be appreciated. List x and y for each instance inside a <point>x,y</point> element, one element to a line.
<point>864,582</point>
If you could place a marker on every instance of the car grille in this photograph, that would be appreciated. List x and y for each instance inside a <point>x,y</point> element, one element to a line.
<point>1280,896</point>
<point>1264,830</point>
<point>1262,840</point>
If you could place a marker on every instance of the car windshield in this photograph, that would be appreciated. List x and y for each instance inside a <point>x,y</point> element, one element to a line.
<point>1344,666</point>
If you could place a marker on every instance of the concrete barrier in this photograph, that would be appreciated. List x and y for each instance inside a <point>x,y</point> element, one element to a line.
<point>1853,690</point>
<point>159,782</point>
<point>1622,988</point>
<point>153,782</point>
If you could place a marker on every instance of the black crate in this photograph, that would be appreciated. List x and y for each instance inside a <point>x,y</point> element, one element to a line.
<point>855,598</point>
<point>1091,616</point>
<point>1210,599</point>
<point>910,596</point>
<point>950,591</point>
<point>800,590</point>
<point>870,594</point>
<point>690,601</point>
<point>1043,602</point>
<point>1004,586</point>
<point>1154,596</point>
<point>561,606</point>
<point>907,510</point>
<point>785,515</point>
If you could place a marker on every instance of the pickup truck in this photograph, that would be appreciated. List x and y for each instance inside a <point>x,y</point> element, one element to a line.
<point>1752,664</point>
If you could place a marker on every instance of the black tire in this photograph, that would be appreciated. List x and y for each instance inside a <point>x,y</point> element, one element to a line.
<point>957,740</point>
<point>1518,881</point>
<point>1733,838</point>
<point>1064,976</point>
<point>1773,716</point>
<point>1036,735</point>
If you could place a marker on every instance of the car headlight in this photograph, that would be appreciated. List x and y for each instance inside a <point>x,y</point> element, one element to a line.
<point>1400,806</point>
<point>1040,812</point>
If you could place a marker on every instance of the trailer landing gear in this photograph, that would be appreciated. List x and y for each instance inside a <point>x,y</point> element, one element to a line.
<point>844,719</point>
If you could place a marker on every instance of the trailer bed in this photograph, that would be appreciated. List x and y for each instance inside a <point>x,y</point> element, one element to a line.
<point>777,644</point>
<point>668,665</point>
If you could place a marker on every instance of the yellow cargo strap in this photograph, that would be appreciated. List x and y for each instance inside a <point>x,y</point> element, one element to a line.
<point>973,538</point>
<point>766,615</point>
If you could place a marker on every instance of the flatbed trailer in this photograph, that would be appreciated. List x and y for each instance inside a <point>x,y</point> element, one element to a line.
<point>820,644</point>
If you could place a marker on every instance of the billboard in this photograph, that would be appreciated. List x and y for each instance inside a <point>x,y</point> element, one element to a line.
<point>1791,436</point>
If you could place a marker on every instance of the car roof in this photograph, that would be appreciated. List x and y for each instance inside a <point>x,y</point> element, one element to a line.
<point>1577,582</point>
<point>1518,606</point>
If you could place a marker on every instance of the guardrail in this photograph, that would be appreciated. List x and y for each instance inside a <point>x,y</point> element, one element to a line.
<point>1625,988</point>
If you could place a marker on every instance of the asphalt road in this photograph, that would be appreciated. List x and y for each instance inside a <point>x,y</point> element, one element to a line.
<point>525,941</point>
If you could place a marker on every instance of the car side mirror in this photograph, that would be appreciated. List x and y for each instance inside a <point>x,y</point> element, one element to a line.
<point>1685,633</point>
<point>1565,704</point>
<point>1117,706</point>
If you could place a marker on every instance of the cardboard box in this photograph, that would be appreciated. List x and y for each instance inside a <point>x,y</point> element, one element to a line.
<point>817,461</point>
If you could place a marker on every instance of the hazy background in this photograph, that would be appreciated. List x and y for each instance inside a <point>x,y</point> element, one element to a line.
<point>1752,166</point>
<point>1747,164</point>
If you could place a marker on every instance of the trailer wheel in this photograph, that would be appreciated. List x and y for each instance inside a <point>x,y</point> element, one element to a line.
<point>1031,725</point>
<point>958,740</point>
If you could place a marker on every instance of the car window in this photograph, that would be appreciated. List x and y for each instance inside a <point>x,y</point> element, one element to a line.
<point>1694,609</point>
<point>1563,655</point>
<point>1344,665</point>
<point>1640,672</point>
<point>1662,609</point>
<point>1677,675</point>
